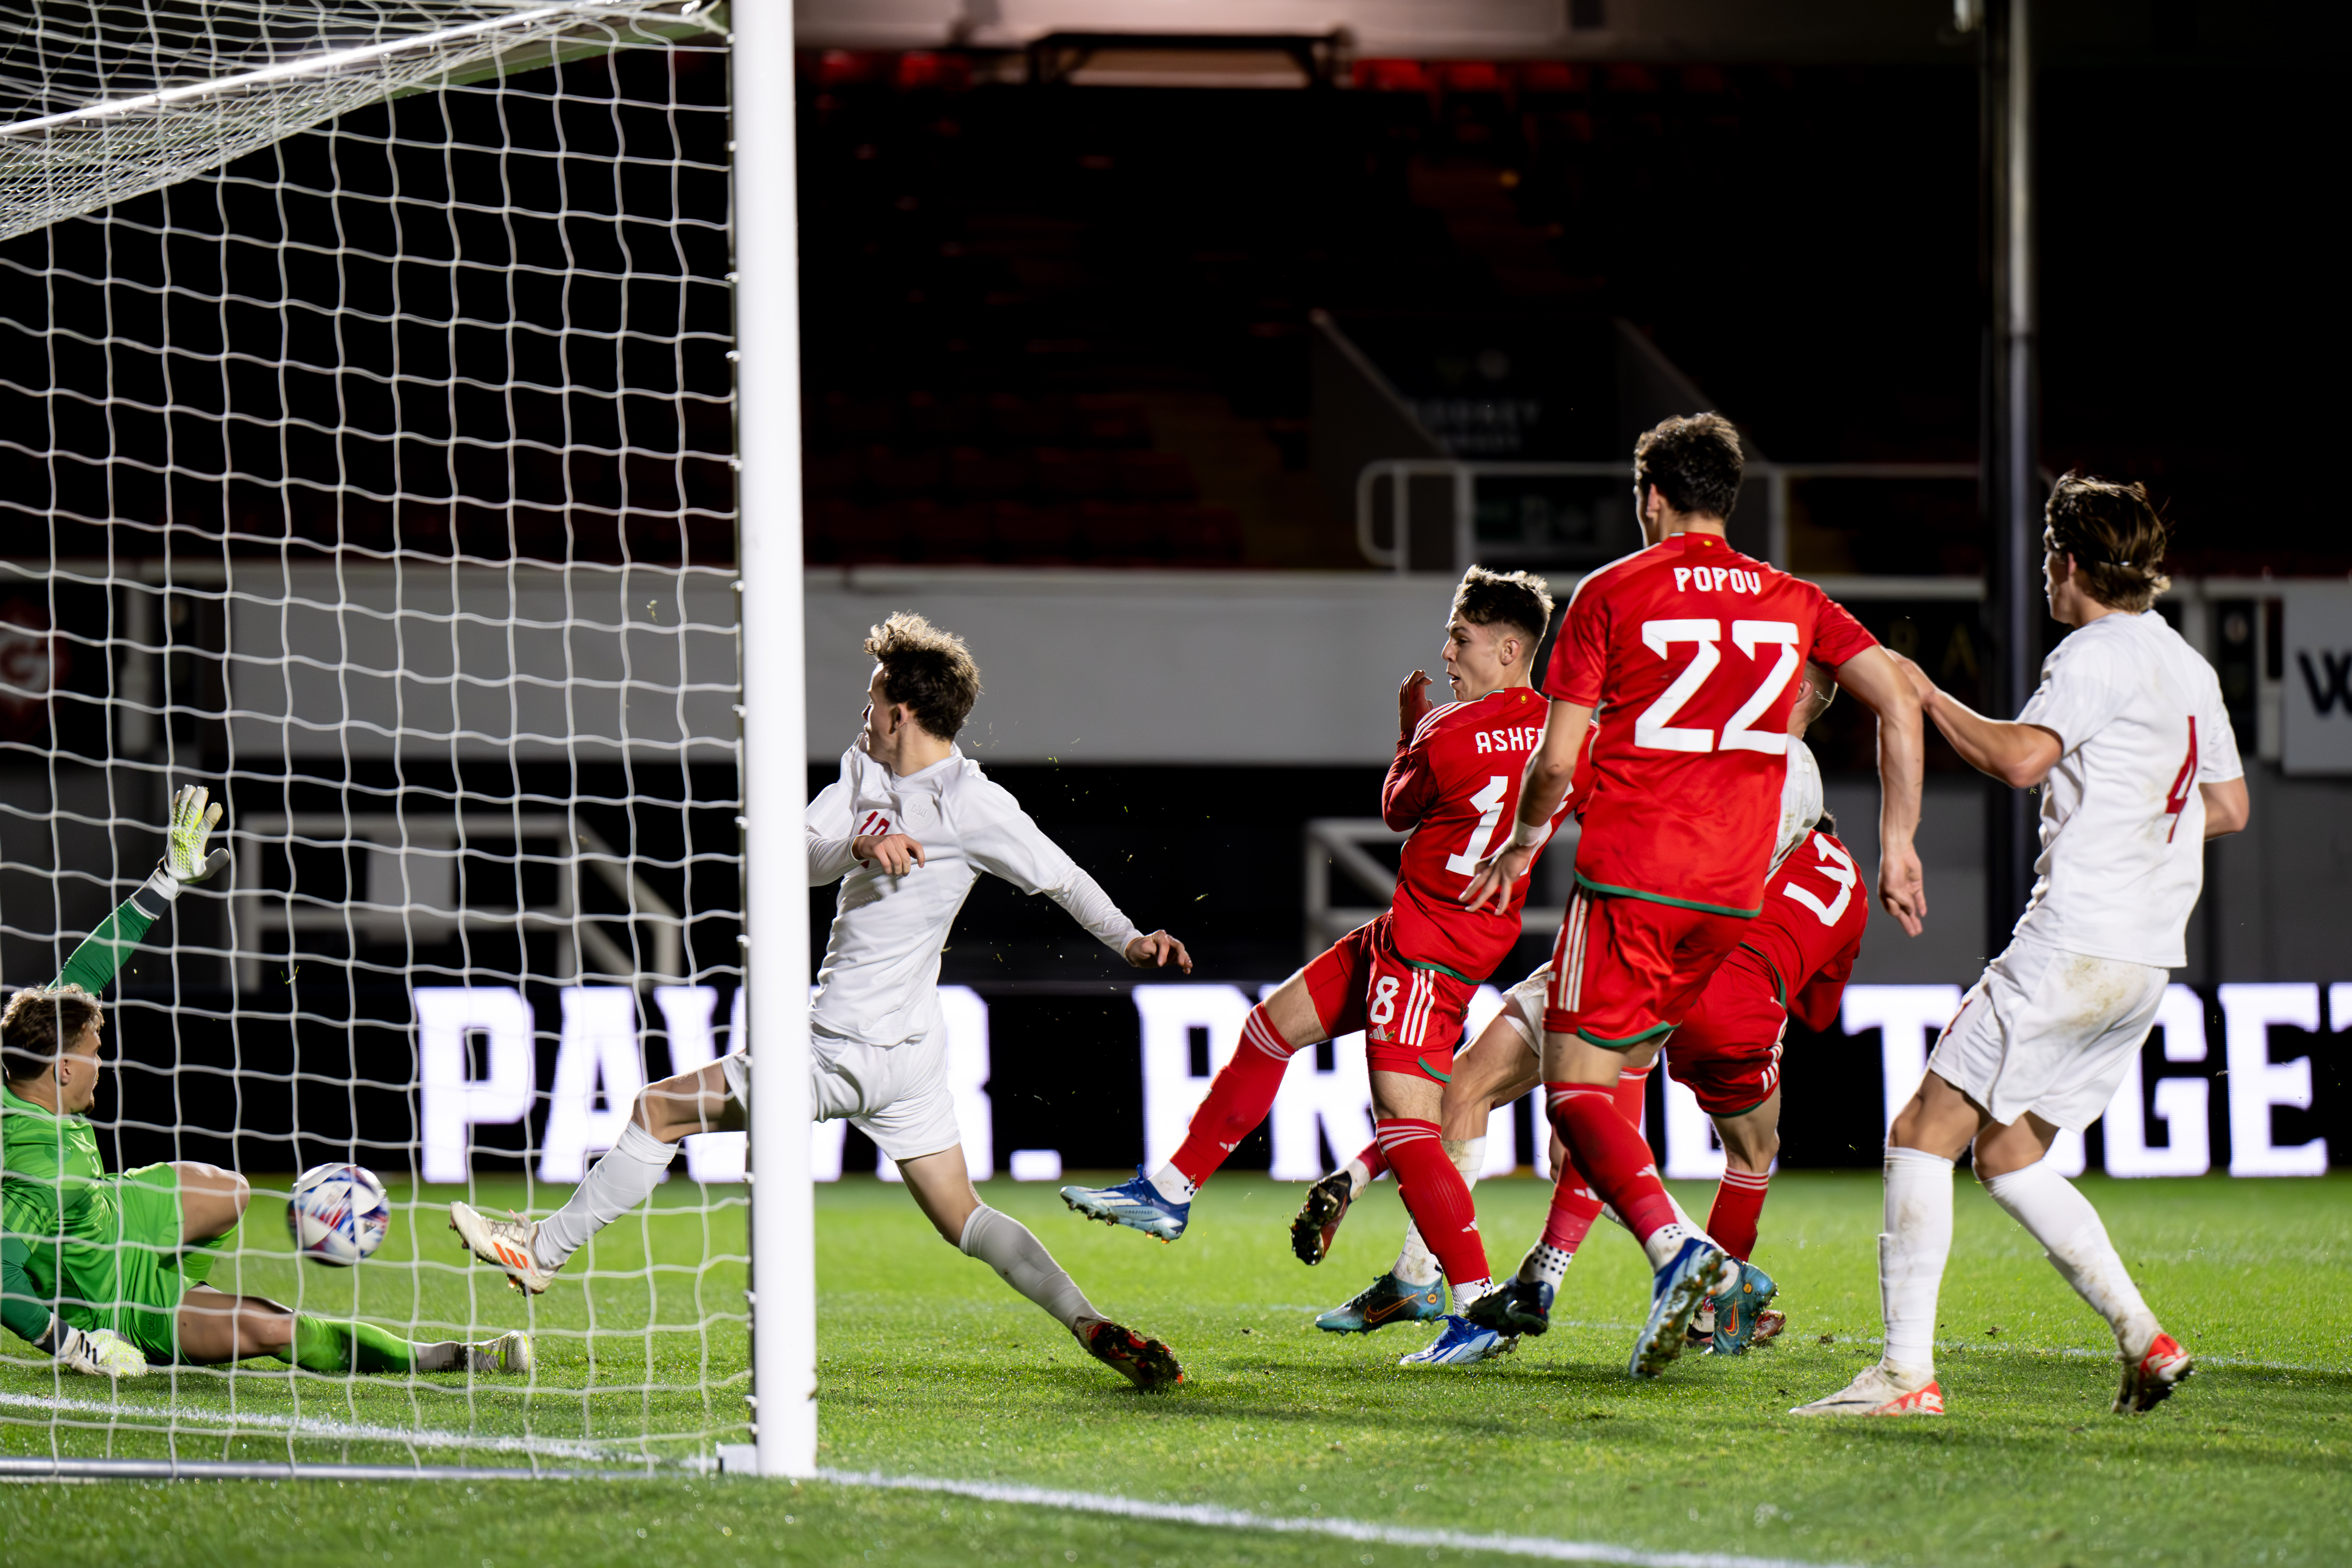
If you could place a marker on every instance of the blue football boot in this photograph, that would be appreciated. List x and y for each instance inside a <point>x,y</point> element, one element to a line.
<point>1461,1342</point>
<point>1136,1204</point>
<point>1386,1299</point>
<point>1677,1293</point>
<point>1739,1310</point>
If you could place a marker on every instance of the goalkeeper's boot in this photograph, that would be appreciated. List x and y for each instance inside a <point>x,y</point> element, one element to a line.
<point>1147,1363</point>
<point>504,1242</point>
<point>1881,1391</point>
<point>1677,1293</point>
<point>1136,1204</point>
<point>1738,1310</point>
<point>1462,1342</point>
<point>2149,1381</point>
<point>1514,1307</point>
<point>510,1353</point>
<point>1318,1217</point>
<point>1769,1324</point>
<point>1386,1299</point>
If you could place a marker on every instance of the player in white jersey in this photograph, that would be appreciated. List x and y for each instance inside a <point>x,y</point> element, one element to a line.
<point>906,830</point>
<point>2128,732</point>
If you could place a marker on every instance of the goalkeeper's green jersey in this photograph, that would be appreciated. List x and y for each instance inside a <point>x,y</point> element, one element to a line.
<point>58,1208</point>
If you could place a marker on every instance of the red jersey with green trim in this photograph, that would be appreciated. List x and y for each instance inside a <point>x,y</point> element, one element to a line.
<point>1691,650</point>
<point>1809,934</point>
<point>1455,787</point>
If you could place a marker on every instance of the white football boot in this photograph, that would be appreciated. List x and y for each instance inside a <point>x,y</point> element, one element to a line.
<point>503,1242</point>
<point>1880,1392</point>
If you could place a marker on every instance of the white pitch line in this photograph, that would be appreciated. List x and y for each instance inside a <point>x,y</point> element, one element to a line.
<point>1217,1518</point>
<point>196,1421</point>
<point>2202,1359</point>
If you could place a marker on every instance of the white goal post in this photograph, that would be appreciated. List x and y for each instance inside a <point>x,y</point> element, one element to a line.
<point>399,436</point>
<point>775,727</point>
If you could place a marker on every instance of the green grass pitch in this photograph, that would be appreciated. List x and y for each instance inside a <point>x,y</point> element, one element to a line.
<point>931,1367</point>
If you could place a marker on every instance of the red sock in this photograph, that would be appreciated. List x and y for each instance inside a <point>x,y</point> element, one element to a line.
<point>1436,1196</point>
<point>1614,1158</point>
<point>1633,1095</point>
<point>1238,1099</point>
<point>1739,1201</point>
<point>1574,1206</point>
<point>1375,1163</point>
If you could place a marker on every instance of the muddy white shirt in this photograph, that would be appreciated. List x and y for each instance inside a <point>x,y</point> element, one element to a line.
<point>882,957</point>
<point>2123,825</point>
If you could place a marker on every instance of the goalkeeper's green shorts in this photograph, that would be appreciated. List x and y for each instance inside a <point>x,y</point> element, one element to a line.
<point>132,1280</point>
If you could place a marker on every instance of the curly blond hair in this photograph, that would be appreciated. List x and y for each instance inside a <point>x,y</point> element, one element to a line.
<point>930,670</point>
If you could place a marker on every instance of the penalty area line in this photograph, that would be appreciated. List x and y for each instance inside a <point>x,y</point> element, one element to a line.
<point>1218,1518</point>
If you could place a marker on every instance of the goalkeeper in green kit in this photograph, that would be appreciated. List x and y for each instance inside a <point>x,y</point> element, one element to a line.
<point>108,1273</point>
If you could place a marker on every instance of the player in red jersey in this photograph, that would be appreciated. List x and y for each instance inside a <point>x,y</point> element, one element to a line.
<point>1406,978</point>
<point>1692,649</point>
<point>1794,961</point>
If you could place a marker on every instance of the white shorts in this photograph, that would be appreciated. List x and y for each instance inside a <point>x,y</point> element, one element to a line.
<point>1523,1006</point>
<point>895,1095</point>
<point>2049,1031</point>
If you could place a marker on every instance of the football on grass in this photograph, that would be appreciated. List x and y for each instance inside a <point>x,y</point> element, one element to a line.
<point>338,1214</point>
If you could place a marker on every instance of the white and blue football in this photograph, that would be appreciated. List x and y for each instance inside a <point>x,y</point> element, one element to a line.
<point>338,1215</point>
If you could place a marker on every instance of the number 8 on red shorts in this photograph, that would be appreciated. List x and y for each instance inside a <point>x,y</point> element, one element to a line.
<point>1411,1013</point>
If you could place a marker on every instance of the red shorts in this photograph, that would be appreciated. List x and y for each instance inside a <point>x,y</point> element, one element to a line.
<point>1727,1050</point>
<point>1626,970</point>
<point>1411,1014</point>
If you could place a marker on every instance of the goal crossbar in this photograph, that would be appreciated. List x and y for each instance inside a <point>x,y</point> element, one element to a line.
<point>79,160</point>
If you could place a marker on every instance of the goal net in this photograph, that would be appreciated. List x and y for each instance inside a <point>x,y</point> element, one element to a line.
<point>365,449</point>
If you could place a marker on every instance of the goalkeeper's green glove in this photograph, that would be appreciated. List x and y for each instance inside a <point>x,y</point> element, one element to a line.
<point>98,1353</point>
<point>185,859</point>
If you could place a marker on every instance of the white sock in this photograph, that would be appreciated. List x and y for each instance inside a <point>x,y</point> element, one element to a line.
<point>622,1179</point>
<point>1912,1251</point>
<point>1667,1240</point>
<point>1005,1245</point>
<point>2063,1220</point>
<point>1415,1264</point>
<point>1682,1217</point>
<point>1359,1176</point>
<point>1169,1183</point>
<point>1468,1155</point>
<point>1466,1294</point>
<point>1545,1264</point>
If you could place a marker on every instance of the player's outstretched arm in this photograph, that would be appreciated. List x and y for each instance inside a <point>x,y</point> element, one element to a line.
<point>2018,755</point>
<point>185,860</point>
<point>1880,684</point>
<point>1551,767</point>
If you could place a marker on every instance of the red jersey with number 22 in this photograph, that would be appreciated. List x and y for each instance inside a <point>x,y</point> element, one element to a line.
<point>1455,787</point>
<point>1691,650</point>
